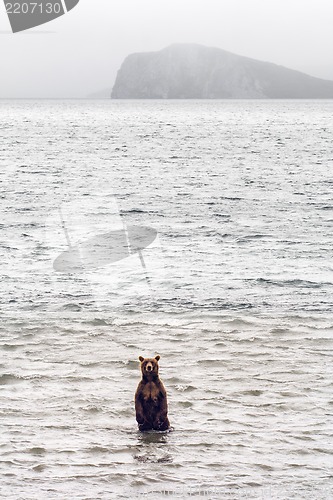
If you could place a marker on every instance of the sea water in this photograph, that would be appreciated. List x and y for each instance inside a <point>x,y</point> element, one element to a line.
<point>234,292</point>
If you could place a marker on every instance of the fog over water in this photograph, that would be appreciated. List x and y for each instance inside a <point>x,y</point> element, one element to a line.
<point>80,53</point>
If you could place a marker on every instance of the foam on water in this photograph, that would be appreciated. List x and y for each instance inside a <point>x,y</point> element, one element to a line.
<point>235,294</point>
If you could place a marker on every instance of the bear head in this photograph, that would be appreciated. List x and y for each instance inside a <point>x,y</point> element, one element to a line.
<point>149,366</point>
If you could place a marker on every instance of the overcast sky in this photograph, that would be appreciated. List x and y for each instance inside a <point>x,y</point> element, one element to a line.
<point>80,53</point>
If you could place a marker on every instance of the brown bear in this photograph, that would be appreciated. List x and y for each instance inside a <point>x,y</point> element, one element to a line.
<point>151,406</point>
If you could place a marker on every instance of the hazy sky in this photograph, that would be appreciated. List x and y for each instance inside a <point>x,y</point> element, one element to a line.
<point>80,53</point>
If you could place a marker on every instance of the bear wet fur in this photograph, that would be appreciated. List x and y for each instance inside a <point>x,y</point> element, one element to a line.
<point>151,405</point>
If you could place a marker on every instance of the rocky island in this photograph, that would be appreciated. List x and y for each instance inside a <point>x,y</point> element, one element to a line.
<point>190,71</point>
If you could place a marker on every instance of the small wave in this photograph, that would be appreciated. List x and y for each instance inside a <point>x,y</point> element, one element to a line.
<point>81,379</point>
<point>253,392</point>
<point>95,450</point>
<point>88,364</point>
<point>326,207</point>
<point>185,388</point>
<point>71,307</point>
<point>212,304</point>
<point>231,198</point>
<point>298,283</point>
<point>93,409</point>
<point>9,378</point>
<point>210,362</point>
<point>250,237</point>
<point>11,347</point>
<point>131,364</point>
<point>279,331</point>
<point>98,322</point>
<point>36,450</point>
<point>264,467</point>
<point>135,211</point>
<point>222,216</point>
<point>152,459</point>
<point>174,380</point>
<point>39,468</point>
<point>185,404</point>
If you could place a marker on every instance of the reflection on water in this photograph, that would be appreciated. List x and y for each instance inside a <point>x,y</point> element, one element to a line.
<point>154,446</point>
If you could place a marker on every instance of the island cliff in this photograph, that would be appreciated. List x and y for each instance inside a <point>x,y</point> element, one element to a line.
<point>188,71</point>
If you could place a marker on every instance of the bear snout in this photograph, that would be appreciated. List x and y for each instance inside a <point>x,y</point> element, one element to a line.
<point>149,367</point>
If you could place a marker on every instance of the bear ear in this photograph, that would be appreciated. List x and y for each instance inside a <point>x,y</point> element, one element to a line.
<point>157,358</point>
<point>141,358</point>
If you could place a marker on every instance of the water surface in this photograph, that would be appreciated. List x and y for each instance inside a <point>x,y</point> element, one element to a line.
<point>235,294</point>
